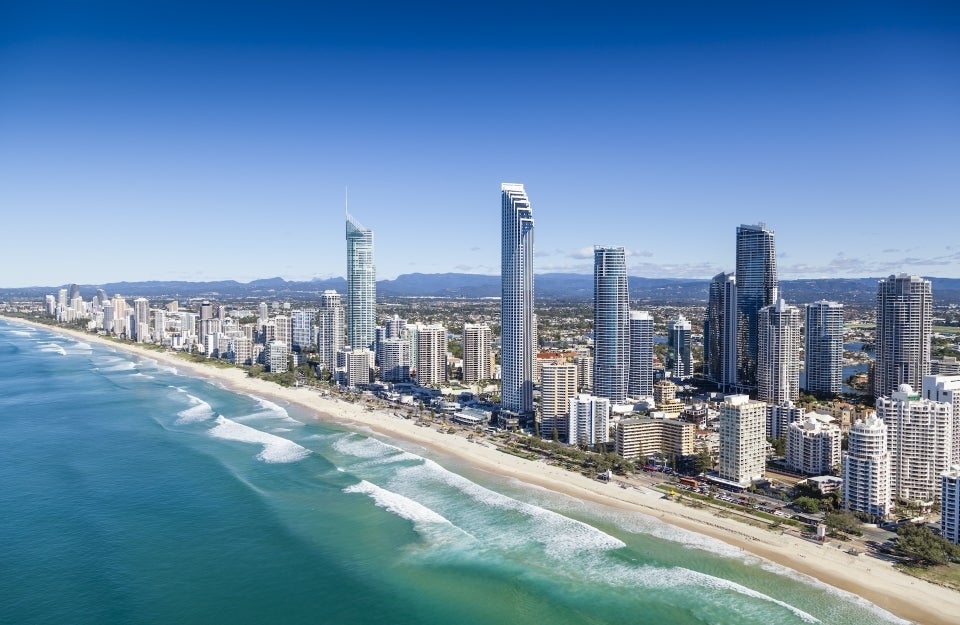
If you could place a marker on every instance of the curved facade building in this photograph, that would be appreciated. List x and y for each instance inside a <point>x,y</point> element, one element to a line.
<point>516,304</point>
<point>611,324</point>
<point>361,287</point>
<point>757,287</point>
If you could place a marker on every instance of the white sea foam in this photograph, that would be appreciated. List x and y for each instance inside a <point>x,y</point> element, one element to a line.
<point>560,536</point>
<point>52,348</point>
<point>653,577</point>
<point>123,365</point>
<point>26,333</point>
<point>199,410</point>
<point>272,410</point>
<point>425,521</point>
<point>275,448</point>
<point>372,450</point>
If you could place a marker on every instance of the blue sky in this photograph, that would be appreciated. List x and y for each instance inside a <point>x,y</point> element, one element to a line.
<point>195,141</point>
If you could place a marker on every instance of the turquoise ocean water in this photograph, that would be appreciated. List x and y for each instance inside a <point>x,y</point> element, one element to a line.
<point>132,494</point>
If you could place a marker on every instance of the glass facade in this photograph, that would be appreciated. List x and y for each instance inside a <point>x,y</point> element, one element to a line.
<point>611,324</point>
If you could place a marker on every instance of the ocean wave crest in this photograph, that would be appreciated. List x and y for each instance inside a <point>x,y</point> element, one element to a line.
<point>276,449</point>
<point>199,410</point>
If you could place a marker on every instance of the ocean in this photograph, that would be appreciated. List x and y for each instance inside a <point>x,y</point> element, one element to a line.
<point>132,494</point>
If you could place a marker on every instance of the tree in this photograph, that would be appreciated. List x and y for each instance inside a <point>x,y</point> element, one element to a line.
<point>703,461</point>
<point>925,548</point>
<point>779,445</point>
<point>806,504</point>
<point>842,522</point>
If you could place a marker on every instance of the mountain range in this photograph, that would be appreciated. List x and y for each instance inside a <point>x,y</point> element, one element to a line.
<point>548,286</point>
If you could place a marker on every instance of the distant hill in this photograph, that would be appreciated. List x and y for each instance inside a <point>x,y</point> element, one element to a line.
<point>555,286</point>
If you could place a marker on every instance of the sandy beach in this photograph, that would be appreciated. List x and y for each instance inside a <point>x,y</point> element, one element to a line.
<point>870,578</point>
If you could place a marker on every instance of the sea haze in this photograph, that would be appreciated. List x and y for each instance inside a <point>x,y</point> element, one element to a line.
<point>133,494</point>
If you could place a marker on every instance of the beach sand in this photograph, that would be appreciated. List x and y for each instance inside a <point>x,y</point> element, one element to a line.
<point>873,579</point>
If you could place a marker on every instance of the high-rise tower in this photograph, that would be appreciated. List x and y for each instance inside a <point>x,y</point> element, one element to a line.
<point>361,286</point>
<point>330,329</point>
<point>904,312</point>
<point>516,303</point>
<point>641,354</point>
<point>866,469</point>
<point>823,351</point>
<point>757,287</point>
<point>720,331</point>
<point>611,324</point>
<point>778,359</point>
<point>678,348</point>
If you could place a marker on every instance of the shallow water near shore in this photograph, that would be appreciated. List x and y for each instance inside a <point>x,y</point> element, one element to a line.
<point>132,494</point>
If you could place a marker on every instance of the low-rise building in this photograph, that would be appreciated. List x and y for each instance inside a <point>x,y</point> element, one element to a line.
<point>639,437</point>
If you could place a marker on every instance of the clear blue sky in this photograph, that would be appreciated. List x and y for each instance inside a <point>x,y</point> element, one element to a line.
<point>166,140</point>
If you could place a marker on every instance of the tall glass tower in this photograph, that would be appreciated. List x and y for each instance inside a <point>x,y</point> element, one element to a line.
<point>361,287</point>
<point>516,304</point>
<point>823,350</point>
<point>720,331</point>
<point>611,324</point>
<point>641,354</point>
<point>757,287</point>
<point>904,325</point>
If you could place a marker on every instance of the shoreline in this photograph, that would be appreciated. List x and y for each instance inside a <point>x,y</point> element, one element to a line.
<point>866,577</point>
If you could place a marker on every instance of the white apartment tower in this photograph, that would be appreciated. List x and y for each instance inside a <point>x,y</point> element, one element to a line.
<point>780,416</point>
<point>303,329</point>
<point>641,354</point>
<point>589,420</point>
<point>331,329</point>
<point>516,304</point>
<point>823,348</point>
<point>477,340</point>
<point>778,355</point>
<point>946,388</point>
<point>743,442</point>
<point>558,385</point>
<point>813,445</point>
<point>920,440</point>
<point>431,362</point>
<point>866,469</point>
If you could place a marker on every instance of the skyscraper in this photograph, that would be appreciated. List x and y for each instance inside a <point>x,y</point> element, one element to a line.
<point>866,469</point>
<point>641,354</point>
<point>559,384</point>
<point>720,331</point>
<point>476,353</point>
<point>742,442</point>
<point>330,329</point>
<point>778,362</point>
<point>920,440</point>
<point>588,420</point>
<point>757,287</point>
<point>904,312</point>
<point>824,348</point>
<point>678,348</point>
<point>303,329</point>
<point>611,324</point>
<point>516,304</point>
<point>431,360</point>
<point>361,286</point>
